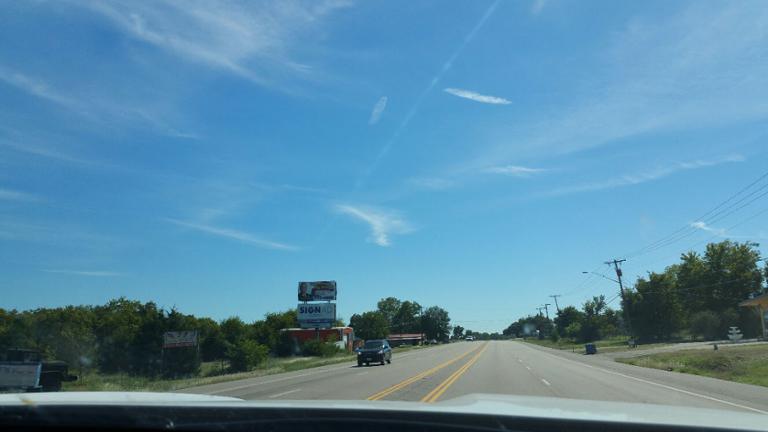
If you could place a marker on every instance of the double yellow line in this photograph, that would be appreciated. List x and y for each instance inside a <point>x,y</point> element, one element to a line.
<point>389,390</point>
<point>439,390</point>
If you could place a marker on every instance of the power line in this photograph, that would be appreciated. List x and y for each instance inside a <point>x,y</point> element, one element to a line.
<point>707,240</point>
<point>729,212</point>
<point>717,212</point>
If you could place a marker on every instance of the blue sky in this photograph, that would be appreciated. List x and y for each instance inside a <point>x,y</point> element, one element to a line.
<point>475,155</point>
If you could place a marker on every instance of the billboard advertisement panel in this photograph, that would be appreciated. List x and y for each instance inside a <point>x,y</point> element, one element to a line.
<point>320,315</point>
<point>317,291</point>
<point>178,339</point>
<point>20,375</point>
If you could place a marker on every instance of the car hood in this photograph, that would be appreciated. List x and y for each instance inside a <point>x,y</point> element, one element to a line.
<point>480,404</point>
<point>369,350</point>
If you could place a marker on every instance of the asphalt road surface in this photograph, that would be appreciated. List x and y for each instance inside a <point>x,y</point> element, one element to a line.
<point>505,367</point>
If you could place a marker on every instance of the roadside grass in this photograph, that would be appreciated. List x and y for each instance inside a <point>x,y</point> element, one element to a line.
<point>210,373</point>
<point>615,344</point>
<point>748,364</point>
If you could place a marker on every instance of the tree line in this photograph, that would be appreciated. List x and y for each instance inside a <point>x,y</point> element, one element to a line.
<point>697,297</point>
<point>126,336</point>
<point>394,316</point>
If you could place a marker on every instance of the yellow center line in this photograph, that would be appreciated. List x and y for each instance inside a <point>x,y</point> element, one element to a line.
<point>389,390</point>
<point>440,389</point>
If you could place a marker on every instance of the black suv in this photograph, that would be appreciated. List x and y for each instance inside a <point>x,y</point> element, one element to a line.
<point>374,351</point>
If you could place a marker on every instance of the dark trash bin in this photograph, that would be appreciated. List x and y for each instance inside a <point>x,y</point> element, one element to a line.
<point>591,348</point>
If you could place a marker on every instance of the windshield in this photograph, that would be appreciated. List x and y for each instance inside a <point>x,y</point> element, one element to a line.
<point>523,198</point>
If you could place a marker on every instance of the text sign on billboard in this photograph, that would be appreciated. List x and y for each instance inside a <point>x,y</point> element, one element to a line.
<point>317,291</point>
<point>20,375</point>
<point>179,339</point>
<point>316,315</point>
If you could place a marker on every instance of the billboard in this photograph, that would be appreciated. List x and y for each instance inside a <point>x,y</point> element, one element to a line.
<point>178,339</point>
<point>321,315</point>
<point>317,291</point>
<point>20,375</point>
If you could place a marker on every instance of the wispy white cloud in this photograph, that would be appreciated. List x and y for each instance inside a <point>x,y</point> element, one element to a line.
<point>537,6</point>
<point>383,223</point>
<point>254,40</point>
<point>514,170</point>
<point>378,110</point>
<point>646,176</point>
<point>44,152</point>
<point>35,86</point>
<point>91,107</point>
<point>431,183</point>
<point>720,232</point>
<point>89,273</point>
<point>477,97</point>
<point>14,195</point>
<point>232,234</point>
<point>689,70</point>
<point>432,84</point>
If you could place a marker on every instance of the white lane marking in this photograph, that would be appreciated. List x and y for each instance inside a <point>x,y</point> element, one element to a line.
<point>528,367</point>
<point>690,393</point>
<point>546,382</point>
<point>283,393</point>
<point>361,373</point>
<point>520,360</point>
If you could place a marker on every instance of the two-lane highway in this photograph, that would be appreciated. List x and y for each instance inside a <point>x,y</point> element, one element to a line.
<point>503,367</point>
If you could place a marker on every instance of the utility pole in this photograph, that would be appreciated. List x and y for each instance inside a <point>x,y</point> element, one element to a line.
<point>539,309</point>
<point>616,267</point>
<point>546,309</point>
<point>555,296</point>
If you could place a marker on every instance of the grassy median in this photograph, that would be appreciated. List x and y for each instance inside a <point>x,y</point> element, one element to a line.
<point>746,364</point>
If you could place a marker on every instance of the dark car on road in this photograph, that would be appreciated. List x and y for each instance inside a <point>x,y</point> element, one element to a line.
<point>374,351</point>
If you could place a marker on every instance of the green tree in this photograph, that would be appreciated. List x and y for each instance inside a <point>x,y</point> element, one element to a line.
<point>234,329</point>
<point>592,321</point>
<point>267,331</point>
<point>213,346</point>
<point>732,275</point>
<point>565,317</point>
<point>436,323</point>
<point>458,332</point>
<point>407,319</point>
<point>129,336</point>
<point>389,307</point>
<point>246,354</point>
<point>654,307</point>
<point>705,324</point>
<point>370,325</point>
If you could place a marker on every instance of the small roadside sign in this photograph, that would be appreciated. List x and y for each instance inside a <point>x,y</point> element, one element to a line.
<point>179,339</point>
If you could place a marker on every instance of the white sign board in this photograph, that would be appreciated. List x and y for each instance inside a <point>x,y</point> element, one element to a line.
<point>317,291</point>
<point>19,375</point>
<point>320,315</point>
<point>180,339</point>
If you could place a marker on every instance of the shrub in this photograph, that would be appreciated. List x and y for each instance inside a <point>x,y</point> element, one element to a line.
<point>705,324</point>
<point>321,349</point>
<point>246,354</point>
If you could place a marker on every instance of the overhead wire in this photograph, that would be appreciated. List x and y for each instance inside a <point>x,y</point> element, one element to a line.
<point>718,212</point>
